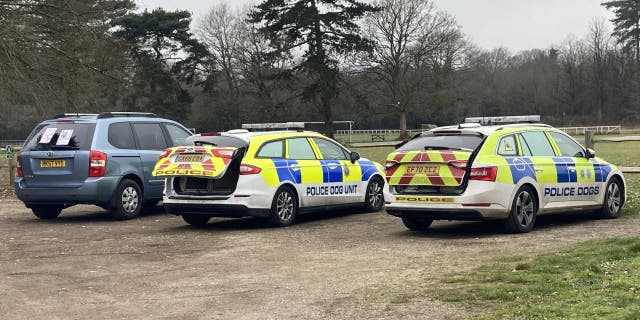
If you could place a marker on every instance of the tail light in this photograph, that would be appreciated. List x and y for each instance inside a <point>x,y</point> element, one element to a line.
<point>19,172</point>
<point>165,154</point>
<point>97,163</point>
<point>484,173</point>
<point>390,164</point>
<point>223,153</point>
<point>246,169</point>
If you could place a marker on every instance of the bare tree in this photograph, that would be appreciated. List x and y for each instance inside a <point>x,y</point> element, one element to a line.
<point>406,33</point>
<point>599,42</point>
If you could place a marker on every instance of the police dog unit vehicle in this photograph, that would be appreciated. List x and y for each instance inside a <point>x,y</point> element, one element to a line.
<point>272,174</point>
<point>513,172</point>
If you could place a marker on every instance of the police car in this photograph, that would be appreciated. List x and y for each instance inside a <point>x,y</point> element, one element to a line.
<point>273,174</point>
<point>513,172</point>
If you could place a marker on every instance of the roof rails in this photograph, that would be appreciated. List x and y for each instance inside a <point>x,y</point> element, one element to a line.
<point>503,120</point>
<point>105,115</point>
<point>71,115</point>
<point>299,126</point>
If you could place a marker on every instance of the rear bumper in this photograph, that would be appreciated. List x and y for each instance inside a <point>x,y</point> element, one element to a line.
<point>93,191</point>
<point>215,210</point>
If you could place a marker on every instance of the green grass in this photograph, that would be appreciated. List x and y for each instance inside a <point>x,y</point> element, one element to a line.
<point>594,280</point>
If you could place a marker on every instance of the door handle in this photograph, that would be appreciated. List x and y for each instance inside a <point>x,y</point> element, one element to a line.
<point>572,169</point>
<point>539,169</point>
<point>294,167</point>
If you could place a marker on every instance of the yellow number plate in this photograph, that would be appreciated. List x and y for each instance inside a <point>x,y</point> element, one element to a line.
<point>53,163</point>
<point>428,170</point>
<point>190,158</point>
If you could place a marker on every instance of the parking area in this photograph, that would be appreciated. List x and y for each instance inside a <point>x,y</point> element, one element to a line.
<point>333,265</point>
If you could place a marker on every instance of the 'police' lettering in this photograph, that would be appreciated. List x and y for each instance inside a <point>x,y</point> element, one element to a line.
<point>571,191</point>
<point>334,190</point>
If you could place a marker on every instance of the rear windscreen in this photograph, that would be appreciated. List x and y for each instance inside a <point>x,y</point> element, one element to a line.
<point>444,142</point>
<point>61,136</point>
<point>217,141</point>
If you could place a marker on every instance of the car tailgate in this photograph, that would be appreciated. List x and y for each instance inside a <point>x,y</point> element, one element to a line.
<point>427,168</point>
<point>195,161</point>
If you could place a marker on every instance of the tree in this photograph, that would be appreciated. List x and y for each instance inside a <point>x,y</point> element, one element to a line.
<point>411,39</point>
<point>167,58</point>
<point>627,23</point>
<point>323,30</point>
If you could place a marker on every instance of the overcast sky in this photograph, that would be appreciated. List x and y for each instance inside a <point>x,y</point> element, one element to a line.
<point>514,24</point>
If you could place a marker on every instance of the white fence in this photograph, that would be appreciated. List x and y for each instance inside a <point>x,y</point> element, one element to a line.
<point>597,129</point>
<point>377,131</point>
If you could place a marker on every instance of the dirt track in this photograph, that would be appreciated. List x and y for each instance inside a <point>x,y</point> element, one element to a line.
<point>338,266</point>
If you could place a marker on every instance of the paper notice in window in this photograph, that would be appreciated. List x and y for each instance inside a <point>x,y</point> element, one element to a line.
<point>47,135</point>
<point>65,137</point>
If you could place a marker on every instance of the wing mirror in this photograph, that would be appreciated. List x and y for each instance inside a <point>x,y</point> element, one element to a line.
<point>354,157</point>
<point>591,153</point>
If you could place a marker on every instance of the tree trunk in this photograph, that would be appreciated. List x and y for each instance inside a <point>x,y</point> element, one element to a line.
<point>403,124</point>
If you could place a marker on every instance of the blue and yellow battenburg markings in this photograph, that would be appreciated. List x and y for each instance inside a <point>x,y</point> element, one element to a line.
<point>522,167</point>
<point>332,170</point>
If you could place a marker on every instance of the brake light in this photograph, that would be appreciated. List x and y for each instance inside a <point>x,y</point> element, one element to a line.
<point>165,154</point>
<point>97,163</point>
<point>210,134</point>
<point>484,173</point>
<point>19,172</point>
<point>246,169</point>
<point>223,153</point>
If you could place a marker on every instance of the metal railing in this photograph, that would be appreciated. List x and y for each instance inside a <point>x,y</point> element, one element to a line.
<point>378,131</point>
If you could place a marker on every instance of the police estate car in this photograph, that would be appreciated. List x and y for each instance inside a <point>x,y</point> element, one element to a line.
<point>275,175</point>
<point>512,172</point>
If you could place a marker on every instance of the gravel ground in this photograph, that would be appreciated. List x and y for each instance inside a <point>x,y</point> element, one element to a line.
<point>328,266</point>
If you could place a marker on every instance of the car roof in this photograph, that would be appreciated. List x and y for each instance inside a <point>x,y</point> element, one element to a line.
<point>487,130</point>
<point>268,135</point>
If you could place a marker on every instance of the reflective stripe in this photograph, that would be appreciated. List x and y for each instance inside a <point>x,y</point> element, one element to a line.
<point>332,171</point>
<point>562,168</point>
<point>521,167</point>
<point>368,168</point>
<point>286,173</point>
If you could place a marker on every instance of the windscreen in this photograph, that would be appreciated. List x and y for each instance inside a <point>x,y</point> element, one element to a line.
<point>443,142</point>
<point>61,136</point>
<point>216,141</point>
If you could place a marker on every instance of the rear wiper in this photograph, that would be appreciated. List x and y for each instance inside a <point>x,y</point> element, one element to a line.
<point>446,148</point>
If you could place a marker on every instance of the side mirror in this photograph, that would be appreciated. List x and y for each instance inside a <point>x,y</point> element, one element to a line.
<point>591,153</point>
<point>354,157</point>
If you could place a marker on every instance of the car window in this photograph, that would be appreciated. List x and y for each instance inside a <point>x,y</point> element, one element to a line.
<point>507,146</point>
<point>535,143</point>
<point>273,149</point>
<point>61,136</point>
<point>453,141</point>
<point>568,147</point>
<point>177,134</point>
<point>300,149</point>
<point>150,136</point>
<point>330,150</point>
<point>121,136</point>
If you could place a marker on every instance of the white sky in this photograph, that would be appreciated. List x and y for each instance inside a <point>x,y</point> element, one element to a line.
<point>514,24</point>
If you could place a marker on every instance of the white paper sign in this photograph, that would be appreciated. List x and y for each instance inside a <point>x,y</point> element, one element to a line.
<point>47,135</point>
<point>65,137</point>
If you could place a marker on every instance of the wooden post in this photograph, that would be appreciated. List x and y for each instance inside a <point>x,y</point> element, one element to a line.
<point>12,171</point>
<point>588,139</point>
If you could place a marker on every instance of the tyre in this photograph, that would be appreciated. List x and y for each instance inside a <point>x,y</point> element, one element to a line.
<point>127,200</point>
<point>613,200</point>
<point>196,219</point>
<point>523,211</point>
<point>417,224</point>
<point>374,198</point>
<point>46,212</point>
<point>284,207</point>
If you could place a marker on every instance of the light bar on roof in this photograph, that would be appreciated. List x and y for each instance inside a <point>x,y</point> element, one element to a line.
<point>503,119</point>
<point>273,126</point>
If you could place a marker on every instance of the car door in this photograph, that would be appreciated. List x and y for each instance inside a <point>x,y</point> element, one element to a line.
<point>151,142</point>
<point>581,170</point>
<point>551,174</point>
<point>303,166</point>
<point>344,176</point>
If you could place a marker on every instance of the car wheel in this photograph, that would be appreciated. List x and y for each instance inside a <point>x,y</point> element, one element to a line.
<point>417,224</point>
<point>613,200</point>
<point>284,207</point>
<point>196,219</point>
<point>127,200</point>
<point>523,211</point>
<point>374,199</point>
<point>46,212</point>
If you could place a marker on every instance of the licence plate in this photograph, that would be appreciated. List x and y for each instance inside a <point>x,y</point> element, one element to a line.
<point>190,158</point>
<point>419,169</point>
<point>53,163</point>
